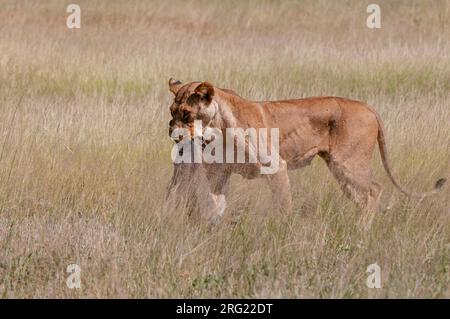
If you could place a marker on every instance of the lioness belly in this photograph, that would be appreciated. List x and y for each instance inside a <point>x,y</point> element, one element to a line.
<point>302,146</point>
<point>305,127</point>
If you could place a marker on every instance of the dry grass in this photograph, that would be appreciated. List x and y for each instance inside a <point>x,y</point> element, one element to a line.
<point>85,157</point>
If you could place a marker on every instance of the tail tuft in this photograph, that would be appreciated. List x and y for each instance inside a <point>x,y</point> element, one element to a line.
<point>439,183</point>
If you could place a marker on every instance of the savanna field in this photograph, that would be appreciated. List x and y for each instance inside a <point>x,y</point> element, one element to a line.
<point>85,152</point>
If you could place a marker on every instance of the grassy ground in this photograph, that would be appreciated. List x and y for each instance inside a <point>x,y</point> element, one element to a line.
<point>85,157</point>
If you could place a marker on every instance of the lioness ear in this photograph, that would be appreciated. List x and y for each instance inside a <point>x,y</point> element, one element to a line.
<point>206,91</point>
<point>174,85</point>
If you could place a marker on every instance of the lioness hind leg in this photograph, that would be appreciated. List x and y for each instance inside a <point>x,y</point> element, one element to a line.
<point>372,205</point>
<point>357,185</point>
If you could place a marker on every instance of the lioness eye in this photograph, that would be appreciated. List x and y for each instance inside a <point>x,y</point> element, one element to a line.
<point>186,116</point>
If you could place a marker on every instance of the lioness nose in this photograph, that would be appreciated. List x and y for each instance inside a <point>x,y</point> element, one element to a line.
<point>177,139</point>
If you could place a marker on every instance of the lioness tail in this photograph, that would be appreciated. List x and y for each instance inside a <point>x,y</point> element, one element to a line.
<point>384,158</point>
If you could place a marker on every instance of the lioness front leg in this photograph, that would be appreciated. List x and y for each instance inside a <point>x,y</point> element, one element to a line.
<point>280,186</point>
<point>213,203</point>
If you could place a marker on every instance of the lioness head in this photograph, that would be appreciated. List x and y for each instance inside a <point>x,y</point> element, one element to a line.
<point>192,102</point>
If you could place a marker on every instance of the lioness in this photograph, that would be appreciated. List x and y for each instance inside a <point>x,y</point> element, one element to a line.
<point>341,131</point>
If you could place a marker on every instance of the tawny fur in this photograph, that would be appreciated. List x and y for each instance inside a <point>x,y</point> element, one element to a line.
<point>343,132</point>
